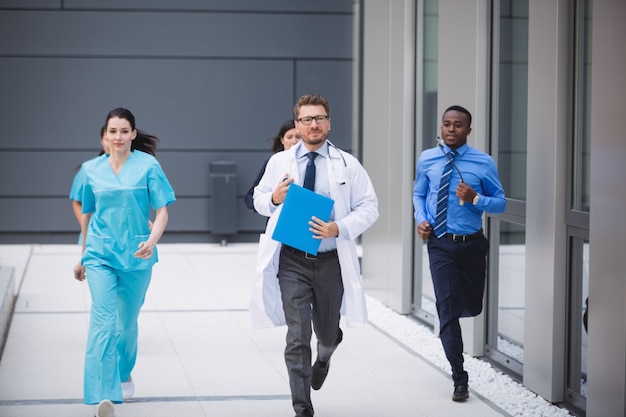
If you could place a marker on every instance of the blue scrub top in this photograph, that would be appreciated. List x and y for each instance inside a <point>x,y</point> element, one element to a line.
<point>76,193</point>
<point>120,206</point>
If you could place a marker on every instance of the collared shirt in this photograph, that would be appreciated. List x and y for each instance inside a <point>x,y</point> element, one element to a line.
<point>322,185</point>
<point>479,171</point>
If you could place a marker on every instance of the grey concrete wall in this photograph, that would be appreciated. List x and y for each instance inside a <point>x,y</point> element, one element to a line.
<point>212,79</point>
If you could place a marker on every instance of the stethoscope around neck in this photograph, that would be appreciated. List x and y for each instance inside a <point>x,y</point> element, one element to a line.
<point>342,180</point>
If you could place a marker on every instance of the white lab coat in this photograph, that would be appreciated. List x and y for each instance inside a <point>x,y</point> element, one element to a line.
<point>356,206</point>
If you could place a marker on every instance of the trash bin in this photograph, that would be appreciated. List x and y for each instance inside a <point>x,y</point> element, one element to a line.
<point>223,175</point>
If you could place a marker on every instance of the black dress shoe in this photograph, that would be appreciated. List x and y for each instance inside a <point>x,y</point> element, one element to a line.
<point>460,393</point>
<point>320,371</point>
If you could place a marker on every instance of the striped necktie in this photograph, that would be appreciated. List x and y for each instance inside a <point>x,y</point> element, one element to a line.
<point>309,174</point>
<point>442,197</point>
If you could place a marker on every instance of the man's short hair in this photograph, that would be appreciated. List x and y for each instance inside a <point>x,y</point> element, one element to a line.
<point>311,100</point>
<point>462,110</point>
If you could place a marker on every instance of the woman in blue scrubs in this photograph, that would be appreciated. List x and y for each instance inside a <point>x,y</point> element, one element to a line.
<point>76,192</point>
<point>119,251</point>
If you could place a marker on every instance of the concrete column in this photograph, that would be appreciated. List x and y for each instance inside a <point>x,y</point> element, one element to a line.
<point>388,144</point>
<point>607,277</point>
<point>464,80</point>
<point>549,108</point>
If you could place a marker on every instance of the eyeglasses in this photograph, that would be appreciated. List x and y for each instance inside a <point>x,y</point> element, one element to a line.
<point>308,120</point>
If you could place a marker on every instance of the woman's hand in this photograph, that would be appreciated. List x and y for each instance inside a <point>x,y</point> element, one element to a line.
<point>79,272</point>
<point>146,248</point>
<point>145,251</point>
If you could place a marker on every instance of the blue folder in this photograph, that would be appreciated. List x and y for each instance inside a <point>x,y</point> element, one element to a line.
<point>292,227</point>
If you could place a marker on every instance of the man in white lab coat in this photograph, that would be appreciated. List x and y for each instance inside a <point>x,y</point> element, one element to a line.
<point>294,287</point>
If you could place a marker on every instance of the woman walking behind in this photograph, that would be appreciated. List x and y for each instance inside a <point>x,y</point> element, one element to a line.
<point>287,136</point>
<point>118,253</point>
<point>76,193</point>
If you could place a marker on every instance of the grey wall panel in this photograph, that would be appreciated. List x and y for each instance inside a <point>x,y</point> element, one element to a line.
<point>189,104</point>
<point>312,6</point>
<point>251,221</point>
<point>188,172</point>
<point>189,214</point>
<point>31,4</point>
<point>50,174</point>
<point>34,214</point>
<point>208,100</point>
<point>39,173</point>
<point>150,34</point>
<point>37,199</point>
<point>52,215</point>
<point>195,215</point>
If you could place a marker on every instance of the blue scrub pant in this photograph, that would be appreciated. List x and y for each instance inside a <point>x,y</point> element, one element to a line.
<point>116,299</point>
<point>458,272</point>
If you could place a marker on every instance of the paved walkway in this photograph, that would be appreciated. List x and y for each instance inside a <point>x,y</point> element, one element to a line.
<point>198,354</point>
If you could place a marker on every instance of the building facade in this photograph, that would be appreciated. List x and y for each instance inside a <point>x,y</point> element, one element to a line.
<point>544,82</point>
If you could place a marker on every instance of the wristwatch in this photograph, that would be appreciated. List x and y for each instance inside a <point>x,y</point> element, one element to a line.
<point>476,198</point>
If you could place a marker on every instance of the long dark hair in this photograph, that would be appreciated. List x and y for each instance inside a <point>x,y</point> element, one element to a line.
<point>103,130</point>
<point>277,145</point>
<point>143,142</point>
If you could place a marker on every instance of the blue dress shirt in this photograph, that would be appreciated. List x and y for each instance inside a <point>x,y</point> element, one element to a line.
<point>479,171</point>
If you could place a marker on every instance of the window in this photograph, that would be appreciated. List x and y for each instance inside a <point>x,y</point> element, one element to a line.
<point>423,292</point>
<point>507,234</point>
<point>578,215</point>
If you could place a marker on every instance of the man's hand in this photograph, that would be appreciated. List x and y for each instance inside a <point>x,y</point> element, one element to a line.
<point>465,192</point>
<point>278,196</point>
<point>424,230</point>
<point>323,230</point>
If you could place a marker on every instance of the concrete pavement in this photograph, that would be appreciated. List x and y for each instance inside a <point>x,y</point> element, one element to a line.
<point>198,353</point>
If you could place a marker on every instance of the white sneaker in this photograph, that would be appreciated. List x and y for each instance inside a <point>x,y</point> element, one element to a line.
<point>105,409</point>
<point>128,389</point>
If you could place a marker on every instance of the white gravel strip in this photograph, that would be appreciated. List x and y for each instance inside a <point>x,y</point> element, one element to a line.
<point>485,380</point>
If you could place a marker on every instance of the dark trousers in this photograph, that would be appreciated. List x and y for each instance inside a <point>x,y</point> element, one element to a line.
<point>458,271</point>
<point>311,291</point>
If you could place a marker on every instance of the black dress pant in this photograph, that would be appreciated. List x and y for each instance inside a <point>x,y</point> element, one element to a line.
<point>458,272</point>
<point>311,292</point>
